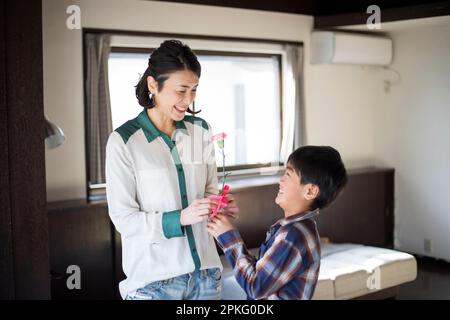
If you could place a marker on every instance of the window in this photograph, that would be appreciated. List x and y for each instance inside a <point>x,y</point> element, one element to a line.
<point>124,71</point>
<point>239,94</point>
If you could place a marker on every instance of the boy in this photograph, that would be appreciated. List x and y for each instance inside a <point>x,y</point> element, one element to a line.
<point>289,259</point>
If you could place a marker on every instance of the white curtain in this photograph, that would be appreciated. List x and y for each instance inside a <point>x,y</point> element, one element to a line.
<point>293,101</point>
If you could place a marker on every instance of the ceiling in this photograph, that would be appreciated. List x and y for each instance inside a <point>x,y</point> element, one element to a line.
<point>404,25</point>
<point>311,7</point>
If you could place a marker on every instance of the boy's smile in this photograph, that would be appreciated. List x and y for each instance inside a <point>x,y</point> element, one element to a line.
<point>289,188</point>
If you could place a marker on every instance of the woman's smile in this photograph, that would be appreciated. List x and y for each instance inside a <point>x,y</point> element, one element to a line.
<point>180,110</point>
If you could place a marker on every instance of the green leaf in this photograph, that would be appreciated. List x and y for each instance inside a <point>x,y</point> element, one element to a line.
<point>220,144</point>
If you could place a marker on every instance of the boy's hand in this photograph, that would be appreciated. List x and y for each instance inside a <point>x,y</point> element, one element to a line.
<point>218,225</point>
<point>231,210</point>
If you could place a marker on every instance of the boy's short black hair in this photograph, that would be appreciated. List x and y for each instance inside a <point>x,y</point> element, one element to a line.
<point>321,166</point>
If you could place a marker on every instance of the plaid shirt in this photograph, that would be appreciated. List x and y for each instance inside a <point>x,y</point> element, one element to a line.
<point>288,263</point>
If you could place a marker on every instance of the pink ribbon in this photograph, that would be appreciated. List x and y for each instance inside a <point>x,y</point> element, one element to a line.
<point>221,201</point>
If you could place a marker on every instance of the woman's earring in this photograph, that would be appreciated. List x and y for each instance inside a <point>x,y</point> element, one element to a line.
<point>150,97</point>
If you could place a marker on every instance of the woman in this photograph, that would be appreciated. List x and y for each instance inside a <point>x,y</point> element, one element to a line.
<point>160,173</point>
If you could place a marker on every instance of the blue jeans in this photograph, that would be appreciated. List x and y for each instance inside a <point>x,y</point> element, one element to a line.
<point>198,285</point>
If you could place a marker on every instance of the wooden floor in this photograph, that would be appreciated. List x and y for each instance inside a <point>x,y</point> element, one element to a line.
<point>432,282</point>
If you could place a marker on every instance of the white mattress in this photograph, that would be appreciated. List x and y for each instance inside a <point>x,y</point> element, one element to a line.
<point>356,270</point>
<point>347,271</point>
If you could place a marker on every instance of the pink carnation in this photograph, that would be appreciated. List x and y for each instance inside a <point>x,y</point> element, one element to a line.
<point>219,137</point>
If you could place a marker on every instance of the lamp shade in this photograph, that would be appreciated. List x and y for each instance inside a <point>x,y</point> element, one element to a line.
<point>54,136</point>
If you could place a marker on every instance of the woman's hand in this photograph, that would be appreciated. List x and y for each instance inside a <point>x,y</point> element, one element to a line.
<point>218,225</point>
<point>231,210</point>
<point>197,211</point>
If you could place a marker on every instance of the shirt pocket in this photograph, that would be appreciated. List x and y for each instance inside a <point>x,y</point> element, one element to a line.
<point>157,189</point>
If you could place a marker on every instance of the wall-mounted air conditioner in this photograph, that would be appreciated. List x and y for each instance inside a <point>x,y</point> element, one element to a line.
<point>350,48</point>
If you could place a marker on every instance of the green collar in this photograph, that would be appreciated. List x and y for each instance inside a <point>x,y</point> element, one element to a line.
<point>151,131</point>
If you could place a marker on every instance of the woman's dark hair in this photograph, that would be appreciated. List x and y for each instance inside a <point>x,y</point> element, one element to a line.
<point>321,166</point>
<point>171,56</point>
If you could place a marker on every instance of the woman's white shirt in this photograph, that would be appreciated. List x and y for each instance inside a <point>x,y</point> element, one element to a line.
<point>150,178</point>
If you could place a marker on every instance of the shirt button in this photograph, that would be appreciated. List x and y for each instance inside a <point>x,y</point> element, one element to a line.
<point>180,169</point>
<point>184,196</point>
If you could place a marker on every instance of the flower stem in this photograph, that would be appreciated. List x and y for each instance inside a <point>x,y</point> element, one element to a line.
<point>223,168</point>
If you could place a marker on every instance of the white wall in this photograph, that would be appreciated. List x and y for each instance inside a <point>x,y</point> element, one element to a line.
<point>339,111</point>
<point>339,107</point>
<point>412,134</point>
